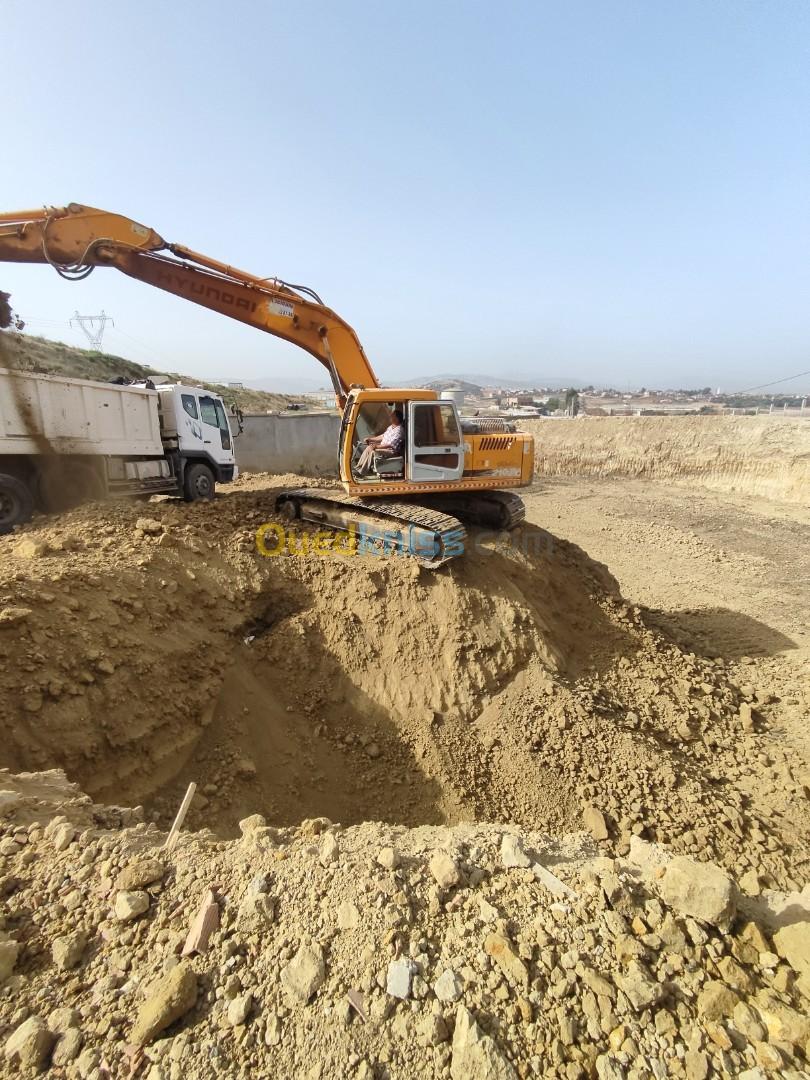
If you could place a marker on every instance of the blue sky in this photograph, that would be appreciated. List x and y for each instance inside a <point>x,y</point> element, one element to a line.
<point>611,192</point>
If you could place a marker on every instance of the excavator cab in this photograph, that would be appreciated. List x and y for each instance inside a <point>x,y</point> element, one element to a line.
<point>433,448</point>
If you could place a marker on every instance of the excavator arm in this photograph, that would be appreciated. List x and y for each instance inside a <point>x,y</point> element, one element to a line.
<point>75,239</point>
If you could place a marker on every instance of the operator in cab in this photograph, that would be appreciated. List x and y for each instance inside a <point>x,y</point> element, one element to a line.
<point>390,443</point>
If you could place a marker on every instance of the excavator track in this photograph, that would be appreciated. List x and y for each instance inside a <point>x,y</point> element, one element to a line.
<point>430,535</point>
<point>502,510</point>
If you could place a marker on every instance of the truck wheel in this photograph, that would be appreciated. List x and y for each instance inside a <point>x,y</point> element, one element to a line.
<point>16,503</point>
<point>198,483</point>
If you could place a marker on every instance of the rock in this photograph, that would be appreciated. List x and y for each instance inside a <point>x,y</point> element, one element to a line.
<point>239,1009</point>
<point>140,873</point>
<point>9,952</point>
<point>62,836</point>
<point>388,858</point>
<point>782,1023</point>
<point>348,917</point>
<point>608,1069</point>
<point>170,997</point>
<point>328,849</point>
<point>475,1055</point>
<point>448,986</point>
<point>598,983</point>
<point>150,526</point>
<point>792,943</point>
<point>67,951</point>
<point>595,823</point>
<point>67,1047</point>
<point>746,1022</point>
<point>255,913</point>
<point>749,883</point>
<point>63,1018</point>
<point>398,980</point>
<point>699,889</point>
<point>251,824</point>
<point>513,853</point>
<point>304,973</point>
<point>768,1057</point>
<point>716,1000</point>
<point>503,953</point>
<point>129,905</point>
<point>31,549</point>
<point>640,988</point>
<point>29,1044</point>
<point>444,870</point>
<point>11,616</point>
<point>697,1065</point>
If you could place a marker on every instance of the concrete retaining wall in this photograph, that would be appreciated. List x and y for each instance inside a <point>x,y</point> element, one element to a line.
<point>305,444</point>
<point>763,456</point>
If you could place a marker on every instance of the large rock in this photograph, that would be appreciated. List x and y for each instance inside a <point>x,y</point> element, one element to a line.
<point>255,913</point>
<point>304,973</point>
<point>129,905</point>
<point>140,873</point>
<point>9,951</point>
<point>502,951</point>
<point>716,1000</point>
<point>398,980</point>
<point>793,943</point>
<point>699,889</point>
<point>513,853</point>
<point>68,950</point>
<point>170,998</point>
<point>475,1055</point>
<point>444,870</point>
<point>28,1045</point>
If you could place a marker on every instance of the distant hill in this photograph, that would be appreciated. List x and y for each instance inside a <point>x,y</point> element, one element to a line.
<point>26,353</point>
<point>507,381</point>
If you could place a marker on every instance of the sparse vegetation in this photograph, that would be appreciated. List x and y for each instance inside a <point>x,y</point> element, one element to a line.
<point>28,353</point>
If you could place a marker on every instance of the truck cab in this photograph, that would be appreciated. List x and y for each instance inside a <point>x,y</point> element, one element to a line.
<point>194,424</point>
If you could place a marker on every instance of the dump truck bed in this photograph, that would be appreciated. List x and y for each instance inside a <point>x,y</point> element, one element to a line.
<point>57,414</point>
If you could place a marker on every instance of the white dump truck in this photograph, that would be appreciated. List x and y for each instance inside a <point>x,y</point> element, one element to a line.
<point>64,441</point>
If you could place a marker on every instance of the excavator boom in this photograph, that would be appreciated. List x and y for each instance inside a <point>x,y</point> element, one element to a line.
<point>75,239</point>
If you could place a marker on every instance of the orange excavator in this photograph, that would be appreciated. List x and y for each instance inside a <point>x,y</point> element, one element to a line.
<point>445,471</point>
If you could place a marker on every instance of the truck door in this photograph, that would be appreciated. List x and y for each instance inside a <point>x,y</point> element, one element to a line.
<point>435,447</point>
<point>216,432</point>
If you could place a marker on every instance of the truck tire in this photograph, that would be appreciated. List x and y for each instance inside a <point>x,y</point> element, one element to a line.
<point>16,503</point>
<point>198,483</point>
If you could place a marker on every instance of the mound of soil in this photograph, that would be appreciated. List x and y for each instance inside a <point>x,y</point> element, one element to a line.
<point>144,646</point>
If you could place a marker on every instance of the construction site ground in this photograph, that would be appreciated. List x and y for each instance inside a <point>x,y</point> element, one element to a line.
<point>544,812</point>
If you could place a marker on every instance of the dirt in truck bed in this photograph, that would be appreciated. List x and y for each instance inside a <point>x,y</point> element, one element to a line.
<point>515,719</point>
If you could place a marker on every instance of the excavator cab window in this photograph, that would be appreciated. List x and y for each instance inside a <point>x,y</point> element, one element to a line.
<point>372,419</point>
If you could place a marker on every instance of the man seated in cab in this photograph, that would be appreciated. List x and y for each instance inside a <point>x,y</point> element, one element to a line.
<point>390,443</point>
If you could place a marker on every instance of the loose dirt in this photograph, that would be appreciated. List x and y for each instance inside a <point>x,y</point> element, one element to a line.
<point>515,692</point>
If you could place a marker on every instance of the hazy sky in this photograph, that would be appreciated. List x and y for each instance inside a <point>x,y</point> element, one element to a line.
<point>608,191</point>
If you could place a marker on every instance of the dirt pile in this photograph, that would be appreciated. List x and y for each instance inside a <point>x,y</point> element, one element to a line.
<point>473,951</point>
<point>145,647</point>
<point>763,456</point>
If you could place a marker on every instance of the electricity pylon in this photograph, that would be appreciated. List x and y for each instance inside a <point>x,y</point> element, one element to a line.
<point>93,327</point>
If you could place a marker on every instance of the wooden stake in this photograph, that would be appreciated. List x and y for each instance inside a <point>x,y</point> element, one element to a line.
<point>171,839</point>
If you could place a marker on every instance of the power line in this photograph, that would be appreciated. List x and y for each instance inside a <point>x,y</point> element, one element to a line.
<point>774,383</point>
